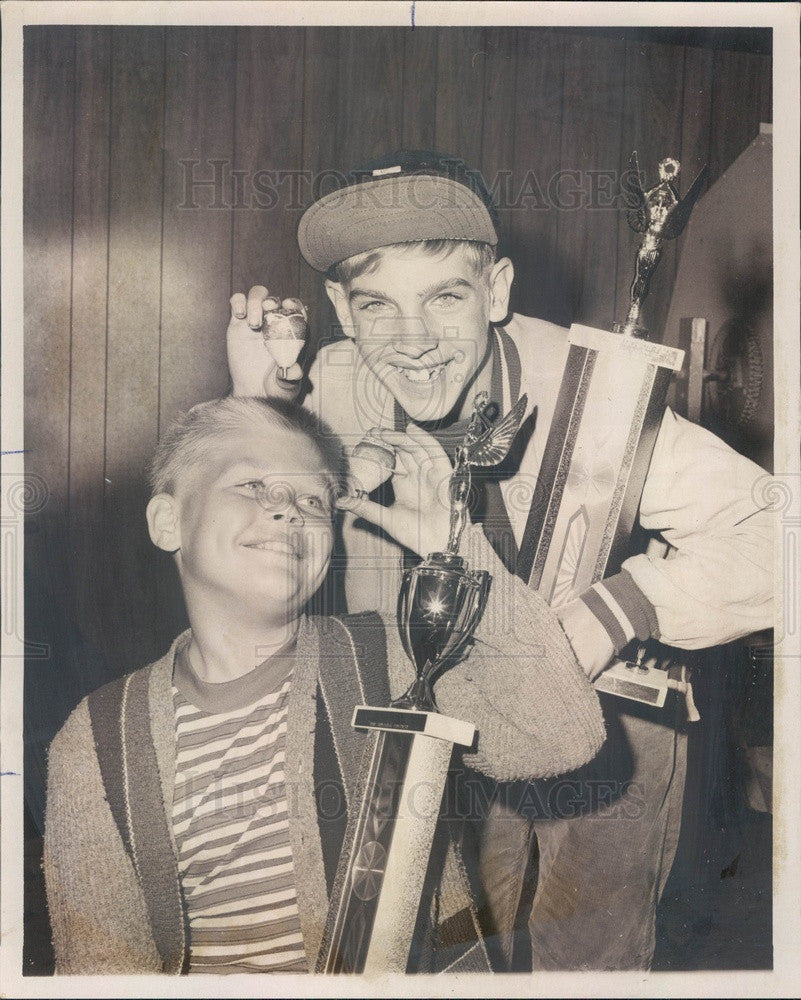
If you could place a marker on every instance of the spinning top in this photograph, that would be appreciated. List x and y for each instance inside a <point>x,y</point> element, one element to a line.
<point>371,462</point>
<point>284,332</point>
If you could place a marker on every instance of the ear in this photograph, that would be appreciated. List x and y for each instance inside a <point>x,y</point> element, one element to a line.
<point>501,278</point>
<point>339,300</point>
<point>163,522</point>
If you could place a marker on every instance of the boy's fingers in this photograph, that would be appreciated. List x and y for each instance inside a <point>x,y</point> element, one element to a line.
<point>404,526</point>
<point>398,439</point>
<point>239,305</point>
<point>360,506</point>
<point>271,303</point>
<point>421,448</point>
<point>277,385</point>
<point>255,312</point>
<point>408,457</point>
<point>416,433</point>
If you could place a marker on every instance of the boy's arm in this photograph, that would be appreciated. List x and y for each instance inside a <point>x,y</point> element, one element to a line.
<point>97,910</point>
<point>704,499</point>
<point>535,710</point>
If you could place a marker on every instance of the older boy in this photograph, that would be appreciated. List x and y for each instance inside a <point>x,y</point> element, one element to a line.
<point>186,827</point>
<point>408,250</point>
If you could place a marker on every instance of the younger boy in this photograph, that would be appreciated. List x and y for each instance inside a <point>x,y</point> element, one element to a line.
<point>189,820</point>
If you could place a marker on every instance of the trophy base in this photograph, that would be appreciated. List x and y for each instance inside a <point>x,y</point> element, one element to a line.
<point>404,720</point>
<point>647,685</point>
<point>383,867</point>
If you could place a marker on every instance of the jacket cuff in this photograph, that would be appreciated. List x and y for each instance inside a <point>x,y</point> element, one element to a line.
<point>623,610</point>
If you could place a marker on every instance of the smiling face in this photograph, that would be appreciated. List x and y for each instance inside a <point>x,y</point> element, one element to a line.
<point>253,524</point>
<point>421,324</point>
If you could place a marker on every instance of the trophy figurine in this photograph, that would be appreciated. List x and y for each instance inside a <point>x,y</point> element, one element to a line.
<point>382,869</point>
<point>660,215</point>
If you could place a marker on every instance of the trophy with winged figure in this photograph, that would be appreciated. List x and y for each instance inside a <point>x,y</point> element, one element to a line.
<point>440,600</point>
<point>382,869</point>
<point>660,215</point>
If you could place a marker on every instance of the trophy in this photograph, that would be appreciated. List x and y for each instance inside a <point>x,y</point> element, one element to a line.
<point>602,435</point>
<point>440,601</point>
<point>374,906</point>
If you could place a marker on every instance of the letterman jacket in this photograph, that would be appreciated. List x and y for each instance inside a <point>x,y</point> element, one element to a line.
<point>699,495</point>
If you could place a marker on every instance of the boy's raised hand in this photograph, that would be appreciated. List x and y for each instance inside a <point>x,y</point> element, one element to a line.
<point>253,369</point>
<point>419,518</point>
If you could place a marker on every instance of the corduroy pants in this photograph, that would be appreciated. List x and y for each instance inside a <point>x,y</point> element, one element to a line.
<point>600,843</point>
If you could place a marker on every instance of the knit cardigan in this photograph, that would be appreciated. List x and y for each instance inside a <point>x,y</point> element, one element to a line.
<point>536,713</point>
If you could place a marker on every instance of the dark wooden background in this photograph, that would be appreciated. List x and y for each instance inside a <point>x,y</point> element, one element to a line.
<point>126,289</point>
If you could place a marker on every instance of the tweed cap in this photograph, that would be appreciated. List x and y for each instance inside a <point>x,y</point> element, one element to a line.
<point>403,197</point>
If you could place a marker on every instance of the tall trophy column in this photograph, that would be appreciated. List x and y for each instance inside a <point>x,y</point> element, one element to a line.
<point>607,416</point>
<point>384,864</point>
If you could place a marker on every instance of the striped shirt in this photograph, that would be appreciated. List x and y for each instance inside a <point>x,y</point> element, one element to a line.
<point>230,821</point>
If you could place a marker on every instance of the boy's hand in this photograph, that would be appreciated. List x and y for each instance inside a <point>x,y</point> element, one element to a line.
<point>419,518</point>
<point>252,366</point>
<point>588,638</point>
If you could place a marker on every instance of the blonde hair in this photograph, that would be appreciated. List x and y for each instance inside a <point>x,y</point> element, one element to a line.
<point>188,439</point>
<point>481,255</point>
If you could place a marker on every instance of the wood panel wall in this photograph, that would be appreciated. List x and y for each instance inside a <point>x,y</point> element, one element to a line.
<point>127,284</point>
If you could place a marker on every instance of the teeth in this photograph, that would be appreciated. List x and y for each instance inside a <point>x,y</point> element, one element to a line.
<point>423,375</point>
<point>273,547</point>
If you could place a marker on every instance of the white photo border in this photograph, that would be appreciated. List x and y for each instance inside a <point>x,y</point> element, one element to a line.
<point>783,18</point>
